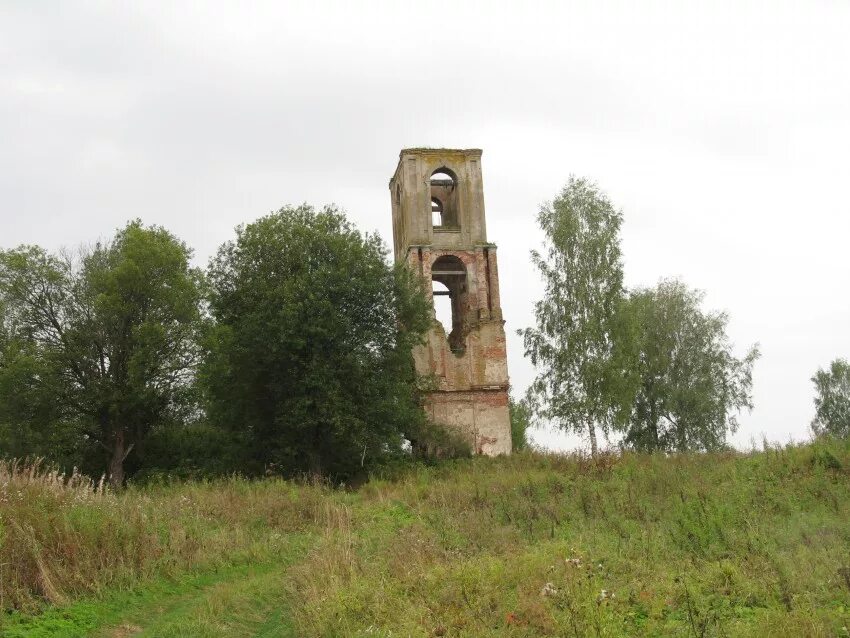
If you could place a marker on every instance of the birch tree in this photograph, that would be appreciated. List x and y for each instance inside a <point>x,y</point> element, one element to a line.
<point>832,399</point>
<point>691,385</point>
<point>579,385</point>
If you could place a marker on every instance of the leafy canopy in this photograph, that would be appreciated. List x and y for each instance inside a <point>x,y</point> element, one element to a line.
<point>690,383</point>
<point>311,351</point>
<point>832,399</point>
<point>650,363</point>
<point>31,420</point>
<point>520,421</point>
<point>107,339</point>
<point>578,385</point>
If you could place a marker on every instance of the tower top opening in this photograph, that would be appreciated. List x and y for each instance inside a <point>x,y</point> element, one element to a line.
<point>438,199</point>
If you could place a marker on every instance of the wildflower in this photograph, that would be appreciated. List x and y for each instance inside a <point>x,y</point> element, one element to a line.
<point>548,590</point>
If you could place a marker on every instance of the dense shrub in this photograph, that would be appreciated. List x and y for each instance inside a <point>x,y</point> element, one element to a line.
<point>434,441</point>
<point>196,450</point>
<point>310,354</point>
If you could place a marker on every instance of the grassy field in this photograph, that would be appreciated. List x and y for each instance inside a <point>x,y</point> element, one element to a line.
<point>729,544</point>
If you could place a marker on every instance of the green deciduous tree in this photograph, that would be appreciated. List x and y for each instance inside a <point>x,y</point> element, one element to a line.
<point>690,384</point>
<point>108,339</point>
<point>311,351</point>
<point>520,422</point>
<point>832,399</point>
<point>579,384</point>
<point>31,420</point>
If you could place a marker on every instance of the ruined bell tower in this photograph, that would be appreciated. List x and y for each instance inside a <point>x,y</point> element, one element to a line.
<point>439,231</point>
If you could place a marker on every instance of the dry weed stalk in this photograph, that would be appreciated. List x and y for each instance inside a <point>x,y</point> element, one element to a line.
<point>18,474</point>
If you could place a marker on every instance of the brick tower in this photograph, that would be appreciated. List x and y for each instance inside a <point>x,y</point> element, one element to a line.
<point>439,231</point>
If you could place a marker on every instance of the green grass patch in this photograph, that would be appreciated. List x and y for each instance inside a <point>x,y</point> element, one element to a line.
<point>241,600</point>
<point>727,544</point>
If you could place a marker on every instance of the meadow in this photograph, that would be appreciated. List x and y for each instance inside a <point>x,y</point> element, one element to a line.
<point>536,544</point>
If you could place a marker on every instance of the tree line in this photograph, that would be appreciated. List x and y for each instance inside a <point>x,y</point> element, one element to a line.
<point>648,364</point>
<point>290,352</point>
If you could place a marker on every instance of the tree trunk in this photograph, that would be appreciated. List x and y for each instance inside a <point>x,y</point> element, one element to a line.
<point>653,424</point>
<point>314,464</point>
<point>116,463</point>
<point>593,447</point>
<point>683,444</point>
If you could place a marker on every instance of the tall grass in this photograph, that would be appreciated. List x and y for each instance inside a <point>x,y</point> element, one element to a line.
<point>551,545</point>
<point>729,544</point>
<point>65,536</point>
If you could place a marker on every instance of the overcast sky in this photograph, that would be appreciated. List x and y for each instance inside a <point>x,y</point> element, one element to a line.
<point>721,130</point>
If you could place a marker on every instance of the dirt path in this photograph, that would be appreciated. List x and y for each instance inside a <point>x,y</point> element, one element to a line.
<point>239,602</point>
<point>252,604</point>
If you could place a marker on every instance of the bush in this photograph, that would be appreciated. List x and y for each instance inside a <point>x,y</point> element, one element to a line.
<point>196,451</point>
<point>433,441</point>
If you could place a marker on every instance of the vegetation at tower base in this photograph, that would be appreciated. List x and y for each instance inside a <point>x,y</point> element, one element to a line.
<point>580,385</point>
<point>310,352</point>
<point>690,385</point>
<point>832,399</point>
<point>98,349</point>
<point>630,544</point>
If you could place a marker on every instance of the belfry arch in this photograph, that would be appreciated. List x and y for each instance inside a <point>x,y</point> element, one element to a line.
<point>443,184</point>
<point>436,212</point>
<point>449,271</point>
<point>439,231</point>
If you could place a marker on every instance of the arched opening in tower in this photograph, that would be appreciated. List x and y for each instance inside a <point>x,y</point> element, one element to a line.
<point>448,275</point>
<point>443,306</point>
<point>436,212</point>
<point>444,196</point>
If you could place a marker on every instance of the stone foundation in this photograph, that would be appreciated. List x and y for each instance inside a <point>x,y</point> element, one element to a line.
<point>479,415</point>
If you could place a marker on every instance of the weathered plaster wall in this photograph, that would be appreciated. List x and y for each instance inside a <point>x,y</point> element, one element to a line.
<point>480,415</point>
